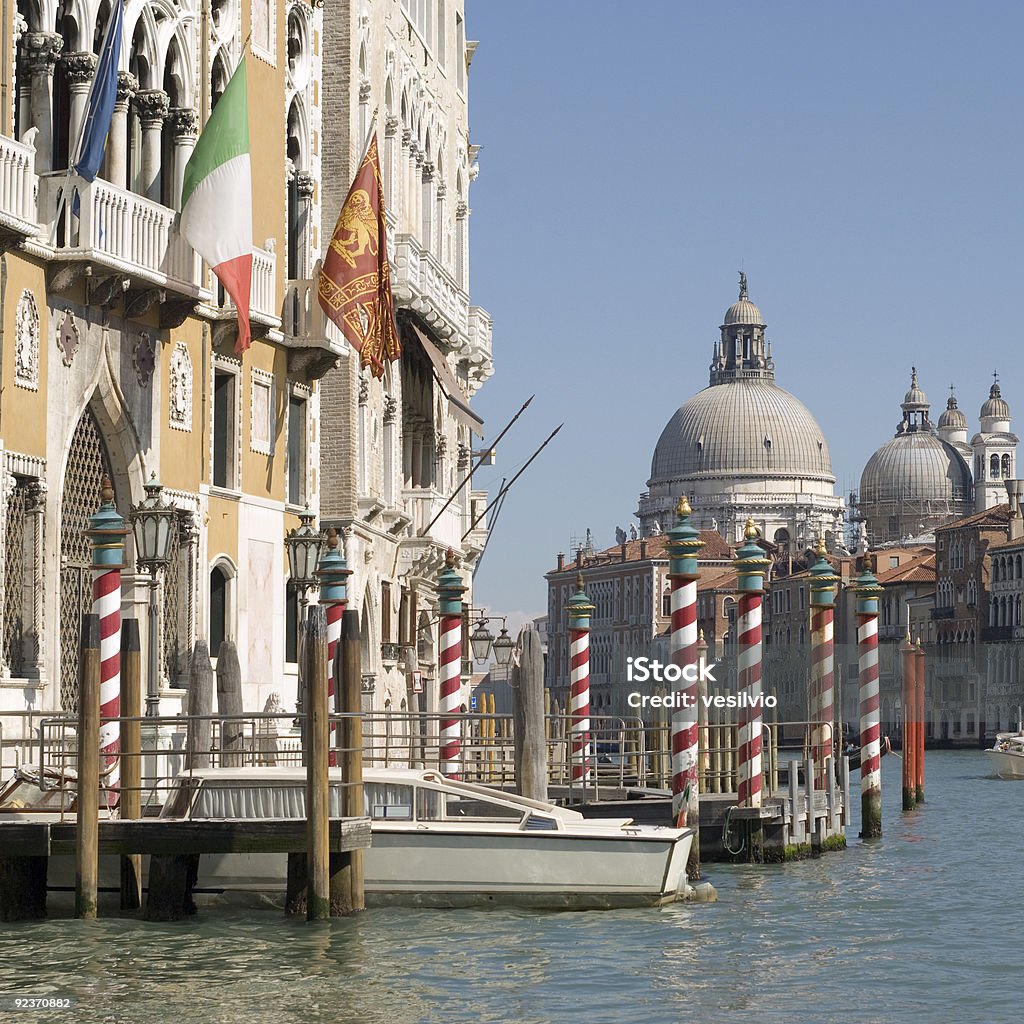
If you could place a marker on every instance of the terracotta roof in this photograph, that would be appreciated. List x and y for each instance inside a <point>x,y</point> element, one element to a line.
<point>717,578</point>
<point>716,549</point>
<point>917,570</point>
<point>998,515</point>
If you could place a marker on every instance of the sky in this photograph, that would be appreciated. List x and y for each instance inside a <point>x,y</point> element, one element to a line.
<point>861,162</point>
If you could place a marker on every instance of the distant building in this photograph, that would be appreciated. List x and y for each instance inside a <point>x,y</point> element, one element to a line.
<point>928,475</point>
<point>744,448</point>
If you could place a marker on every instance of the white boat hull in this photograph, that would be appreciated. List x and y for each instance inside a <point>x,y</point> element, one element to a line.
<point>1008,764</point>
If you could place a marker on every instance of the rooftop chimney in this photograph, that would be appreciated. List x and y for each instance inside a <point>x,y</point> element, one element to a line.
<point>561,561</point>
<point>643,549</point>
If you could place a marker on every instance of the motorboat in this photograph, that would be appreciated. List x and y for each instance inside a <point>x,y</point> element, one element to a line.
<point>1007,755</point>
<point>437,841</point>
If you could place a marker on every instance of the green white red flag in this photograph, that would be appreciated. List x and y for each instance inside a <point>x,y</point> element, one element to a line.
<point>216,198</point>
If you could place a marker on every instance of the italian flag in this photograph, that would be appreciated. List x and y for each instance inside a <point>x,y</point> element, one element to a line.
<point>216,198</point>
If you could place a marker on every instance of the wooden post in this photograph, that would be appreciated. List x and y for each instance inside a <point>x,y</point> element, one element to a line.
<point>318,892</point>
<point>23,887</point>
<point>131,756</point>
<point>347,882</point>
<point>919,760</point>
<point>229,703</point>
<point>87,835</point>
<point>814,830</point>
<point>198,734</point>
<point>909,715</point>
<point>528,707</point>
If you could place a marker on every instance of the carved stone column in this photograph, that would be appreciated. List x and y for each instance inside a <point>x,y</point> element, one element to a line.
<point>79,69</point>
<point>185,125</point>
<point>117,147</point>
<point>35,651</point>
<point>41,52</point>
<point>304,193</point>
<point>152,105</point>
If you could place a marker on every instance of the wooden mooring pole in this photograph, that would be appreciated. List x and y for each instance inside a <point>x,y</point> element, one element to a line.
<point>347,884</point>
<point>87,835</point>
<point>919,700</point>
<point>131,756</point>
<point>318,884</point>
<point>909,745</point>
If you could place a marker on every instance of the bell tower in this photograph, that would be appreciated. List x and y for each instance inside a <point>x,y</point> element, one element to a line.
<point>742,352</point>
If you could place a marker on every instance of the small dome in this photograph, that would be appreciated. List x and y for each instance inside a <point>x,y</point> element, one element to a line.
<point>743,311</point>
<point>953,418</point>
<point>918,469</point>
<point>996,406</point>
<point>915,398</point>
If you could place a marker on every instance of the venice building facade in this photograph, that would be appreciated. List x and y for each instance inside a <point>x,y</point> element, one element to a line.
<point>117,344</point>
<point>395,449</point>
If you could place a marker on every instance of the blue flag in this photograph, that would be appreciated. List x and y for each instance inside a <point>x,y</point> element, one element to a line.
<point>100,109</point>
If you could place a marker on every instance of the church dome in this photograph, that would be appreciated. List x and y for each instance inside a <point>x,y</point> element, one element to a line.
<point>953,418</point>
<point>743,311</point>
<point>996,406</point>
<point>744,428</point>
<point>917,470</point>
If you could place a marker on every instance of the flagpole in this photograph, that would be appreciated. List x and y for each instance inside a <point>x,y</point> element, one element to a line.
<point>89,112</point>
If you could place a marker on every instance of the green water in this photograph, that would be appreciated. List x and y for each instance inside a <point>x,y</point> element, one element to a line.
<point>918,926</point>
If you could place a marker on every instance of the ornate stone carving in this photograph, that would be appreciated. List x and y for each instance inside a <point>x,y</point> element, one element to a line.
<point>26,342</point>
<point>364,388</point>
<point>390,408</point>
<point>461,209</point>
<point>428,170</point>
<point>442,190</point>
<point>390,126</point>
<point>364,92</point>
<point>127,87</point>
<point>41,52</point>
<point>184,122</point>
<point>68,338</point>
<point>304,183</point>
<point>180,403</point>
<point>464,454</point>
<point>406,135</point>
<point>144,358</point>
<point>152,105</point>
<point>441,443</point>
<point>37,495</point>
<point>79,68</point>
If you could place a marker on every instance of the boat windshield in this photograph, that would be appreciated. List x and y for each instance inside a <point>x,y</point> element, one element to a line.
<point>22,793</point>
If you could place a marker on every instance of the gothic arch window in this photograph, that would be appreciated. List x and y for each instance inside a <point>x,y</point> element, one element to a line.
<point>461,231</point>
<point>218,79</point>
<point>1018,566</point>
<point>87,463</point>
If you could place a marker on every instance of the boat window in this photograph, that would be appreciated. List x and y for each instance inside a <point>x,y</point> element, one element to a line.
<point>181,796</point>
<point>539,823</point>
<point>428,805</point>
<point>25,795</point>
<point>388,803</point>
<point>466,806</point>
<point>237,800</point>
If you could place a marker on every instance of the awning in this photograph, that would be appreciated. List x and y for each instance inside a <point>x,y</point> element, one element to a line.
<point>457,402</point>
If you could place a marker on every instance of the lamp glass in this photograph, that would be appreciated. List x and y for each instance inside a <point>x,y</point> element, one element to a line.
<point>480,641</point>
<point>503,648</point>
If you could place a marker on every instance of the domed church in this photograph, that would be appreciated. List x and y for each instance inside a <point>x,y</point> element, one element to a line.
<point>743,447</point>
<point>928,475</point>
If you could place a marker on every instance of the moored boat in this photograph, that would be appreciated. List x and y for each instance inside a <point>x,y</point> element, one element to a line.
<point>1007,755</point>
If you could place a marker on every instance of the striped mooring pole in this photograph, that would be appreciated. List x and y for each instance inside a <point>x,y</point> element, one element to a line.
<point>751,565</point>
<point>332,572</point>
<point>867,590</point>
<point>106,534</point>
<point>684,543</point>
<point>450,589</point>
<point>579,610</point>
<point>822,703</point>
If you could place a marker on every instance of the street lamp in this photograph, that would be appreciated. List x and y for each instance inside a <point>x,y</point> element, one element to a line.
<point>152,522</point>
<point>503,647</point>
<point>303,547</point>
<point>480,641</point>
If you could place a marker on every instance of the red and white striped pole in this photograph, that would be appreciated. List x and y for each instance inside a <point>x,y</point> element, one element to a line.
<point>332,571</point>
<point>106,533</point>
<point>867,590</point>
<point>579,610</point>
<point>751,565</point>
<point>450,589</point>
<point>822,704</point>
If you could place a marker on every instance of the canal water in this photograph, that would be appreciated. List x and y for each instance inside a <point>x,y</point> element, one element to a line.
<point>918,926</point>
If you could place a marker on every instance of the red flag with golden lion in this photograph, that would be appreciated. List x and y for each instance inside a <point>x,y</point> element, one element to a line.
<point>355,280</point>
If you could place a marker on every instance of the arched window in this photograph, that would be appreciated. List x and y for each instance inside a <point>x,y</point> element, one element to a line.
<point>1018,566</point>
<point>1006,467</point>
<point>993,467</point>
<point>219,608</point>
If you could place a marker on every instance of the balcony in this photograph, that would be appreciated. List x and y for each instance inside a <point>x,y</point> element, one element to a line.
<point>954,668</point>
<point>313,344</point>
<point>264,315</point>
<point>17,188</point>
<point>942,613</point>
<point>479,354</point>
<point>106,228</point>
<point>996,634</point>
<point>422,284</point>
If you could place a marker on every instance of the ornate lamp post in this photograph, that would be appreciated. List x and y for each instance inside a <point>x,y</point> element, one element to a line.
<point>503,647</point>
<point>303,547</point>
<point>481,640</point>
<point>152,522</point>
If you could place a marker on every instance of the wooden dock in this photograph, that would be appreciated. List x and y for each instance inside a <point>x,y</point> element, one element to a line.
<point>174,846</point>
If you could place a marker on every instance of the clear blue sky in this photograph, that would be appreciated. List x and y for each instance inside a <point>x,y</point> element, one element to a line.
<point>861,161</point>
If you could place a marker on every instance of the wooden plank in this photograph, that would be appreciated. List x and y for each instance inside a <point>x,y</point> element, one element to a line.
<point>266,835</point>
<point>25,838</point>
